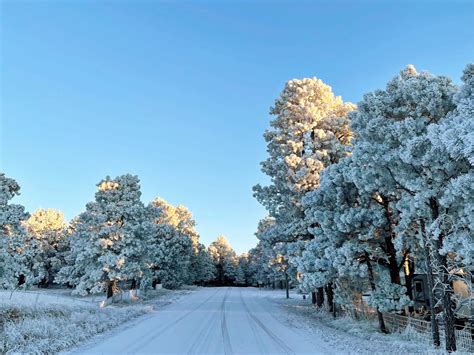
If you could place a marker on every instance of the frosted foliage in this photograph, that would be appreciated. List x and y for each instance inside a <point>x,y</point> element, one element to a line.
<point>259,261</point>
<point>348,229</point>
<point>454,137</point>
<point>175,245</point>
<point>15,253</point>
<point>309,131</point>
<point>465,98</point>
<point>180,218</point>
<point>388,296</point>
<point>386,120</point>
<point>204,266</point>
<point>352,214</point>
<point>109,240</point>
<point>48,229</point>
<point>390,128</point>
<point>225,260</point>
<point>239,276</point>
<point>437,177</point>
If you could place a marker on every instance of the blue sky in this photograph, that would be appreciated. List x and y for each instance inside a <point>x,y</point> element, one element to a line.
<point>179,92</point>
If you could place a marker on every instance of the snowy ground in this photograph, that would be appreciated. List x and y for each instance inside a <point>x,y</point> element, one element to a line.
<point>48,321</point>
<point>344,334</point>
<point>245,321</point>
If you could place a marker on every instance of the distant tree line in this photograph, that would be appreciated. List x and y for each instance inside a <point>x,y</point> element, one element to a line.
<point>117,242</point>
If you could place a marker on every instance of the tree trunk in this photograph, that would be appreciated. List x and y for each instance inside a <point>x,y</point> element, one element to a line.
<point>382,327</point>
<point>330,296</point>
<point>287,286</point>
<point>390,248</point>
<point>133,286</point>
<point>313,297</point>
<point>449,318</point>
<point>110,288</point>
<point>430,279</point>
<point>320,297</point>
<point>392,261</point>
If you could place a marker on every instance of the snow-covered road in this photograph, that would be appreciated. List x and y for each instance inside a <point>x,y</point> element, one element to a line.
<point>222,320</point>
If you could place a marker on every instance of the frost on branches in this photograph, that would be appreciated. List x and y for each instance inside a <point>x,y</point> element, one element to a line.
<point>109,240</point>
<point>225,261</point>
<point>15,255</point>
<point>48,229</point>
<point>177,255</point>
<point>310,131</point>
<point>401,203</point>
<point>349,241</point>
<point>454,138</point>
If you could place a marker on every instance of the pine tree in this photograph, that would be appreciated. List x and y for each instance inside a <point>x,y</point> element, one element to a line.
<point>205,269</point>
<point>15,256</point>
<point>390,128</point>
<point>310,131</point>
<point>225,260</point>
<point>48,229</point>
<point>109,240</point>
<point>440,163</point>
<point>258,266</point>
<point>172,244</point>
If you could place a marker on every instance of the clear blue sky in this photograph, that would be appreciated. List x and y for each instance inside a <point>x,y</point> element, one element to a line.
<point>179,92</point>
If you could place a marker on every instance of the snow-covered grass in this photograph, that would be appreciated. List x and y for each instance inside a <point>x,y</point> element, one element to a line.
<point>345,333</point>
<point>48,321</point>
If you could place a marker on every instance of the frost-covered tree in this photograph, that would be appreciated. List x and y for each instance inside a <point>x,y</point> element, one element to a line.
<point>240,278</point>
<point>258,266</point>
<point>48,229</point>
<point>172,244</point>
<point>225,260</point>
<point>14,254</point>
<point>274,260</point>
<point>310,131</point>
<point>453,139</point>
<point>438,193</point>
<point>386,120</point>
<point>390,128</point>
<point>245,265</point>
<point>348,248</point>
<point>204,266</point>
<point>109,242</point>
<point>182,219</point>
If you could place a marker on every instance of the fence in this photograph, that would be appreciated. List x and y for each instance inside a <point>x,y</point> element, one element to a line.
<point>399,323</point>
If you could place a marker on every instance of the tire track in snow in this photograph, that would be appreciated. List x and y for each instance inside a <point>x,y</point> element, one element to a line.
<point>206,331</point>
<point>224,330</point>
<point>253,327</point>
<point>146,339</point>
<point>272,335</point>
<point>203,335</point>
